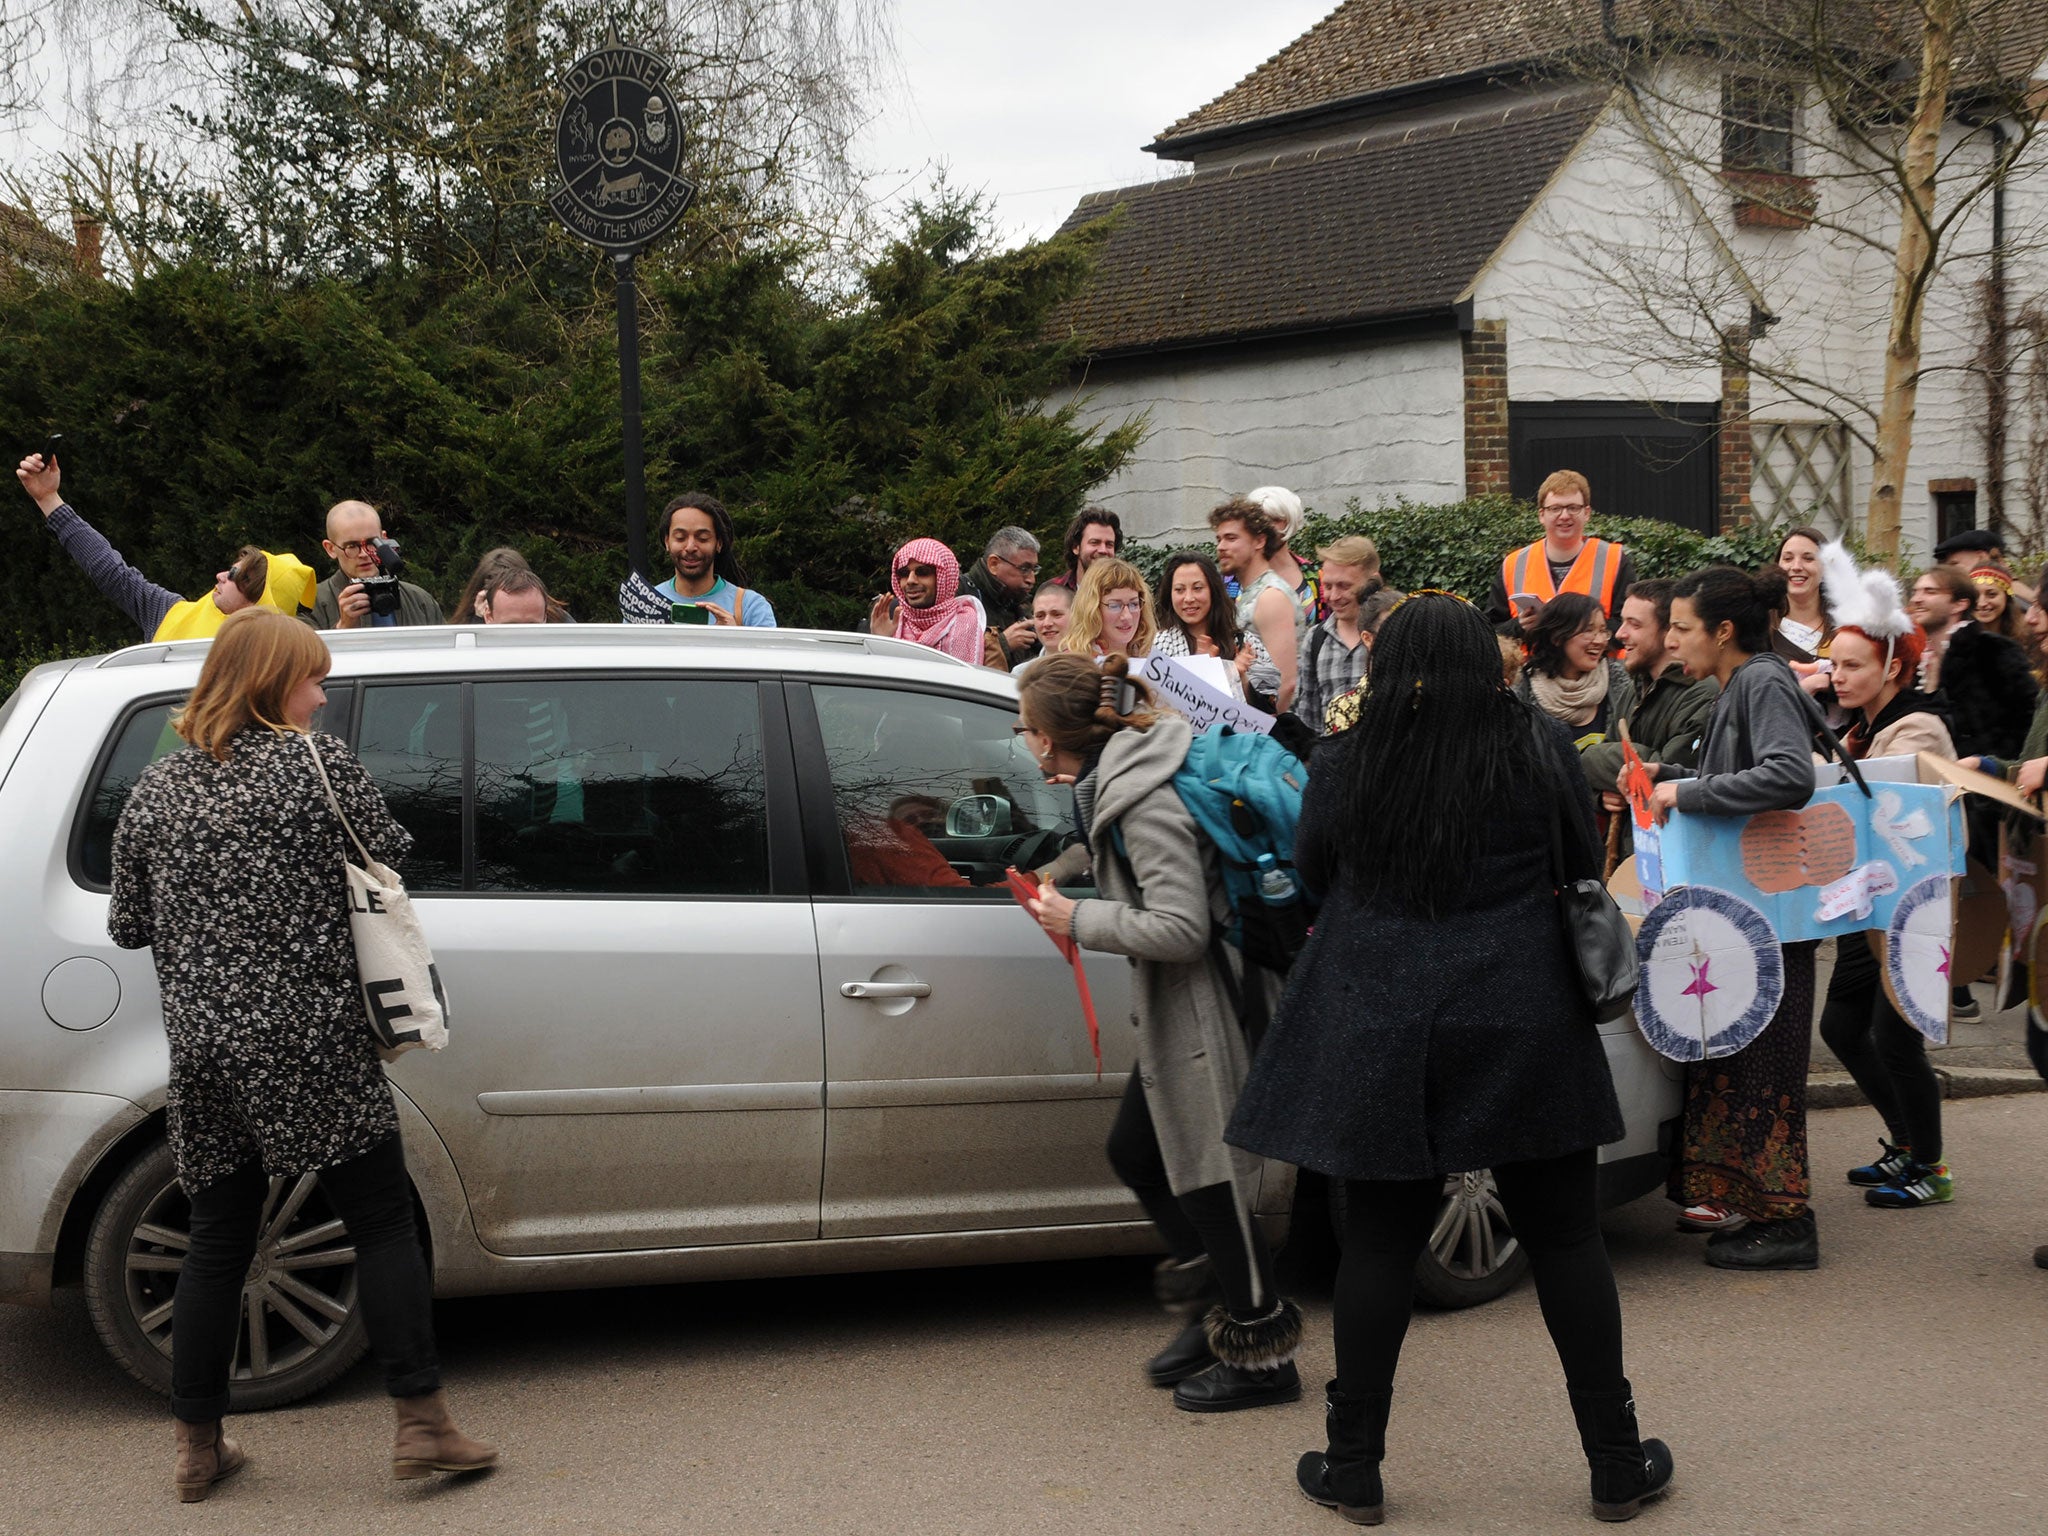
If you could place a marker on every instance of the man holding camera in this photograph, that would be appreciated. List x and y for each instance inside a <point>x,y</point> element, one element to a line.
<point>365,591</point>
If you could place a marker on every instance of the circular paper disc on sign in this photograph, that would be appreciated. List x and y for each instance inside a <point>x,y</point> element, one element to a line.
<point>1917,956</point>
<point>619,150</point>
<point>2035,953</point>
<point>1712,974</point>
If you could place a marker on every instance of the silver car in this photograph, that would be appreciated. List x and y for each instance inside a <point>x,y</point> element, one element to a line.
<point>737,988</point>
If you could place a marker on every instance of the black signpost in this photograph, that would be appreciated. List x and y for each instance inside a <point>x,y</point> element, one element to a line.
<point>619,151</point>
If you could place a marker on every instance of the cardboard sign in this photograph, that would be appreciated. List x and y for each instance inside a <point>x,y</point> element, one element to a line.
<point>1180,689</point>
<point>1939,770</point>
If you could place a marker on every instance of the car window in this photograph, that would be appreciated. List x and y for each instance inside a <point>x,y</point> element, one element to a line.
<point>627,786</point>
<point>145,736</point>
<point>936,795</point>
<point>411,744</point>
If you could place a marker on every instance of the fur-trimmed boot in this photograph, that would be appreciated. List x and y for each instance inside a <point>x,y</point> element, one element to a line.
<point>1628,1471</point>
<point>1346,1477</point>
<point>428,1440</point>
<point>1254,1362</point>
<point>205,1456</point>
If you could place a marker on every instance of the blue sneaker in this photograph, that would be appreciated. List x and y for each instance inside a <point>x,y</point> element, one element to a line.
<point>1921,1184</point>
<point>1886,1170</point>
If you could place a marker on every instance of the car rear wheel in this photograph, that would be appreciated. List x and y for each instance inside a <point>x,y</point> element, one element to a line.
<point>1471,1256</point>
<point>300,1327</point>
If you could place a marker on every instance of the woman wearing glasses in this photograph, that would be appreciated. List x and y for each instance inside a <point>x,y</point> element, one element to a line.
<point>1570,676</point>
<point>1112,613</point>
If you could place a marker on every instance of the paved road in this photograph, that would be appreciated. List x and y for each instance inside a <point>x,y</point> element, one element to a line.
<point>1900,1388</point>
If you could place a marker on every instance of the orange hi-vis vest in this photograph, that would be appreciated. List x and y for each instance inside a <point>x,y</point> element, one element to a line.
<point>1593,573</point>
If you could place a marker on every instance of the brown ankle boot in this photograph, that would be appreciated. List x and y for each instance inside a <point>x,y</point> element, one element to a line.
<point>428,1440</point>
<point>205,1456</point>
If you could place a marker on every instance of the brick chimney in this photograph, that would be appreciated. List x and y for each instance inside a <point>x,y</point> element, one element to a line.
<point>85,244</point>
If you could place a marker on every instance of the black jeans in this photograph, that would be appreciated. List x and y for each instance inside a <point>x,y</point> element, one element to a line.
<point>1201,1221</point>
<point>1554,1206</point>
<point>1886,1055</point>
<point>374,1200</point>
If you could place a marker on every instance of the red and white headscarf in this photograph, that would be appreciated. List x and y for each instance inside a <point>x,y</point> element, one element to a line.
<point>952,624</point>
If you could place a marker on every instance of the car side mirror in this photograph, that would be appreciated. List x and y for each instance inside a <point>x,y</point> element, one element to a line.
<point>978,816</point>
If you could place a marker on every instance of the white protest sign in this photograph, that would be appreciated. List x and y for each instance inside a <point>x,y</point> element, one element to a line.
<point>1180,690</point>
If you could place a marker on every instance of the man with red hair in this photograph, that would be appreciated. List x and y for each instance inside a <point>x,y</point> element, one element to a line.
<point>1565,559</point>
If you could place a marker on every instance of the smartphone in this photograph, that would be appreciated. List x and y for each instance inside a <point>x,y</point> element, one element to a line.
<point>688,613</point>
<point>50,444</point>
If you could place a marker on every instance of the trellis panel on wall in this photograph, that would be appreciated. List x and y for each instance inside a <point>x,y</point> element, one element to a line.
<point>1801,473</point>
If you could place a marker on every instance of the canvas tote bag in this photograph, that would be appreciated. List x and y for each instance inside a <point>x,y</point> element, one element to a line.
<point>403,998</point>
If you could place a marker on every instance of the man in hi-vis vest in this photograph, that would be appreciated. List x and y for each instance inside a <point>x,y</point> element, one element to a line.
<point>1564,559</point>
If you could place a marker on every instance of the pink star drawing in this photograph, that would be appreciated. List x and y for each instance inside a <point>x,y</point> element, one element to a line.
<point>1700,985</point>
<point>1943,967</point>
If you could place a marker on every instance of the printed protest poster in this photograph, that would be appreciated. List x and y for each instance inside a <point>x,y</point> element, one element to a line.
<point>1181,689</point>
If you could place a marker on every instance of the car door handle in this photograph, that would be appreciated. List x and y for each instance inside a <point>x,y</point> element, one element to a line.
<point>878,991</point>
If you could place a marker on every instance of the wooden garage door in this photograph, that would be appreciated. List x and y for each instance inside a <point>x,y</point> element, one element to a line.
<point>1643,461</point>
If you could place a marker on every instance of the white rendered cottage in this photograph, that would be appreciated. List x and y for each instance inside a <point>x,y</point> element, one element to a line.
<point>1443,248</point>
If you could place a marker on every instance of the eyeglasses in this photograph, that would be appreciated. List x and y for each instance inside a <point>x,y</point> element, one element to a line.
<point>1021,567</point>
<point>1573,507</point>
<point>1130,607</point>
<point>356,546</point>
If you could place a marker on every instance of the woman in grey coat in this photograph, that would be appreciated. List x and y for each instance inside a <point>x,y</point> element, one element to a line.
<point>1435,1025</point>
<point>1162,904</point>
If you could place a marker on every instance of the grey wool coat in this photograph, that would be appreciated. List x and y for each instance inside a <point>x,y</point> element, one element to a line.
<point>1162,899</point>
<point>1408,1047</point>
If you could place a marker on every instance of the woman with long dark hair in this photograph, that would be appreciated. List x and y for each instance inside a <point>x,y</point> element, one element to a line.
<point>1742,1173</point>
<point>1434,1024</point>
<point>1805,629</point>
<point>1161,901</point>
<point>1200,619</point>
<point>1569,675</point>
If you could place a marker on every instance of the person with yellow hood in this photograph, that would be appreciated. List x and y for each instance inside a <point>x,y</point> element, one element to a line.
<point>279,581</point>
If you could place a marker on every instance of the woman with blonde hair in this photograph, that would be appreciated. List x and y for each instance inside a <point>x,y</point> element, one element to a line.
<point>1113,613</point>
<point>1160,900</point>
<point>228,866</point>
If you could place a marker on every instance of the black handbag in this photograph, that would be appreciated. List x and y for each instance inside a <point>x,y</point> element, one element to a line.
<point>1597,936</point>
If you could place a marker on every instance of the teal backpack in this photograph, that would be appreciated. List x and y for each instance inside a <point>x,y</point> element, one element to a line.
<point>1244,792</point>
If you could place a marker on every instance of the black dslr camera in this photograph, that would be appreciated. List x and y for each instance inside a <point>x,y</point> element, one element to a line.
<point>382,588</point>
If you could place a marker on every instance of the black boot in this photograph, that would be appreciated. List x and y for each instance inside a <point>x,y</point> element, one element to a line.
<point>1185,1287</point>
<point>1254,1362</point>
<point>1628,1471</point>
<point>1188,1355</point>
<point>1346,1477</point>
<point>1793,1244</point>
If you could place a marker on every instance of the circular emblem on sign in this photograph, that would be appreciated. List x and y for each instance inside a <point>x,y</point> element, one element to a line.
<point>618,151</point>
<point>1712,974</point>
<point>1918,958</point>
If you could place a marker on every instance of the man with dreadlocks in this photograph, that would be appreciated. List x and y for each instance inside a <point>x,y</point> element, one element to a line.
<point>697,536</point>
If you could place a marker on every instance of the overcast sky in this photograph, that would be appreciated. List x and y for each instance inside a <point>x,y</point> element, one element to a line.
<point>1038,101</point>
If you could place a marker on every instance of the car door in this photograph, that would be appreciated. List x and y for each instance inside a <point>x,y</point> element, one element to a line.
<point>960,1089</point>
<point>637,1055</point>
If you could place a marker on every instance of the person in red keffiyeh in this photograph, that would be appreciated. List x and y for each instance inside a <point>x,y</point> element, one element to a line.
<point>925,576</point>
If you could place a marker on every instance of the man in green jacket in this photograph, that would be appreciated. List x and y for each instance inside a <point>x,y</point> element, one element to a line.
<point>1670,708</point>
<point>342,602</point>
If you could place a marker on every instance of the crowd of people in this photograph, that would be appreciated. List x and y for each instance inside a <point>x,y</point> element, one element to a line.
<point>1460,763</point>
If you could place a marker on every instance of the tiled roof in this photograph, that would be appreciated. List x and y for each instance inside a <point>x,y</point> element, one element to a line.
<point>1365,46</point>
<point>1394,225</point>
<point>25,242</point>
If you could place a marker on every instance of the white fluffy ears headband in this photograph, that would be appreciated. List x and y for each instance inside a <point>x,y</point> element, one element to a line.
<point>1865,600</point>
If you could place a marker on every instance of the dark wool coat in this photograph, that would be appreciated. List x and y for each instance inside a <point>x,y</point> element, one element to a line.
<point>1406,1048</point>
<point>1989,691</point>
<point>231,873</point>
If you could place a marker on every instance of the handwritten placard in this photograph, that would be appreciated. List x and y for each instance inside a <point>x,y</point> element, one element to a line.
<point>1185,693</point>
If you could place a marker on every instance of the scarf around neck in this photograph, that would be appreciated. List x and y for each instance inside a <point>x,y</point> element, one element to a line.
<point>1575,703</point>
<point>952,623</point>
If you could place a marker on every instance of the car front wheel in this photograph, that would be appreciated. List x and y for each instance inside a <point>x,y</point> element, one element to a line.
<point>299,1325</point>
<point>1471,1256</point>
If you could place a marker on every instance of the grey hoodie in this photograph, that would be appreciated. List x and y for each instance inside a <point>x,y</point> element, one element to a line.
<point>1756,753</point>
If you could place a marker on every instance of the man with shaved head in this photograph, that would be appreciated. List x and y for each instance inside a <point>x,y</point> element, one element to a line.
<point>342,602</point>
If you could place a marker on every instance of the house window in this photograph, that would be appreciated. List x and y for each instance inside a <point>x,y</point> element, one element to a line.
<point>1756,125</point>
<point>1955,507</point>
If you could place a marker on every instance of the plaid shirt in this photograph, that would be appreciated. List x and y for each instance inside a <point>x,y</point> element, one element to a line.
<point>1326,668</point>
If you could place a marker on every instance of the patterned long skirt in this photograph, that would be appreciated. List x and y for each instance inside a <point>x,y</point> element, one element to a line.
<point>1743,1142</point>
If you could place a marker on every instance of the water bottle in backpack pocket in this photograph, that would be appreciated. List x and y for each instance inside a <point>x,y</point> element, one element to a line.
<point>1244,792</point>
